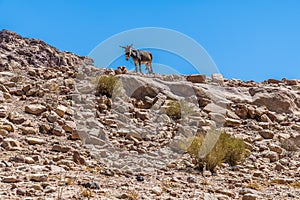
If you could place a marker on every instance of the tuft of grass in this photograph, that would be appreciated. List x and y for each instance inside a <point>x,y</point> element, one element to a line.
<point>173,110</point>
<point>227,149</point>
<point>133,195</point>
<point>86,193</point>
<point>105,85</point>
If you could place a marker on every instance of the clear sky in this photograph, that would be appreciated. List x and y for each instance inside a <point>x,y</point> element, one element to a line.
<point>249,40</point>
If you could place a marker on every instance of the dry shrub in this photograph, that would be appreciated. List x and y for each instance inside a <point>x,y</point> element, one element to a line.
<point>105,85</point>
<point>173,110</point>
<point>226,150</point>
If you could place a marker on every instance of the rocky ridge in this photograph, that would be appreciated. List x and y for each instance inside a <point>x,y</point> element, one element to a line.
<point>60,140</point>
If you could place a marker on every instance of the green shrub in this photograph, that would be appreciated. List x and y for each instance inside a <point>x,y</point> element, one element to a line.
<point>173,110</point>
<point>105,85</point>
<point>227,149</point>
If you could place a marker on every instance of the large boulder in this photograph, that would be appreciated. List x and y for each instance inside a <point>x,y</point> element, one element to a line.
<point>279,101</point>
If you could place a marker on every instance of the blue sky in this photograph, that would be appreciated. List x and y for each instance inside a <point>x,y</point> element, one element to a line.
<point>249,40</point>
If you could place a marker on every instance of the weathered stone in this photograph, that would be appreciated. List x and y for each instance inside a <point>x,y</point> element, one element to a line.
<point>278,102</point>
<point>143,115</point>
<point>39,177</point>
<point>59,148</point>
<point>233,122</point>
<point>10,144</point>
<point>273,156</point>
<point>157,190</point>
<point>232,115</point>
<point>266,134</point>
<point>35,109</point>
<point>265,118</point>
<point>10,179</point>
<point>34,141</point>
<point>29,131</point>
<point>61,110</point>
<point>3,132</point>
<point>196,78</point>
<point>250,196</point>
<point>78,159</point>
<point>58,130</point>
<point>69,126</point>
<point>217,78</point>
<point>214,108</point>
<point>29,160</point>
<point>20,191</point>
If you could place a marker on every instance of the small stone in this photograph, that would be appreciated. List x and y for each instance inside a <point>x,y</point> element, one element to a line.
<point>192,179</point>
<point>250,196</point>
<point>3,132</point>
<point>59,148</point>
<point>232,122</point>
<point>74,136</point>
<point>275,148</point>
<point>29,131</point>
<point>17,159</point>
<point>273,156</point>
<point>139,178</point>
<point>61,110</point>
<point>37,187</point>
<point>217,78</point>
<point>10,144</point>
<point>29,160</point>
<point>265,118</point>
<point>107,172</point>
<point>10,179</point>
<point>196,78</point>
<point>78,159</point>
<point>267,134</point>
<point>143,115</point>
<point>35,109</point>
<point>20,192</point>
<point>279,167</point>
<point>34,141</point>
<point>91,185</point>
<point>58,130</point>
<point>69,126</point>
<point>49,189</point>
<point>157,190</point>
<point>38,177</point>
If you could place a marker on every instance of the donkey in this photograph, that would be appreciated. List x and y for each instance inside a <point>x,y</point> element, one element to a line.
<point>139,57</point>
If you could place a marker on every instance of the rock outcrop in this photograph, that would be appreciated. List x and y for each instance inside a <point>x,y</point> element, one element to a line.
<point>61,139</point>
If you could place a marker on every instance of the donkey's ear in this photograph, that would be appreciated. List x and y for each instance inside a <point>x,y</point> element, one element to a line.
<point>122,47</point>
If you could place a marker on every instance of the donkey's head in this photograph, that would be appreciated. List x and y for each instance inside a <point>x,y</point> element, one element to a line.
<point>128,51</point>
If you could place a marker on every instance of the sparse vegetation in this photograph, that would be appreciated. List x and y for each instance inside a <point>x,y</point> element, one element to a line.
<point>226,150</point>
<point>105,85</point>
<point>132,195</point>
<point>173,110</point>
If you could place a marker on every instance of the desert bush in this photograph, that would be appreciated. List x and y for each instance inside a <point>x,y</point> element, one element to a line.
<point>173,110</point>
<point>105,85</point>
<point>227,149</point>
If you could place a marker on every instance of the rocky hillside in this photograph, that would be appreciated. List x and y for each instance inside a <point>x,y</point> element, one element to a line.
<point>61,138</point>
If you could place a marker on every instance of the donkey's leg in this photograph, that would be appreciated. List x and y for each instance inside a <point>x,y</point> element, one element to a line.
<point>140,67</point>
<point>136,67</point>
<point>150,68</point>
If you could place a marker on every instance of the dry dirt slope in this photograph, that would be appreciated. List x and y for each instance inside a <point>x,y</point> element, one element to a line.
<point>59,140</point>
